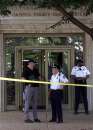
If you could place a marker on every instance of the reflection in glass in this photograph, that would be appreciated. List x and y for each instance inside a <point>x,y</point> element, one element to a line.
<point>10,73</point>
<point>10,43</point>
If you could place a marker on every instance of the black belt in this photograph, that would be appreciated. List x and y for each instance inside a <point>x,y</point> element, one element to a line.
<point>56,89</point>
<point>80,81</point>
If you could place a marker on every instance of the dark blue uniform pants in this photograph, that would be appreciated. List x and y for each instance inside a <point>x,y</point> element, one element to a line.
<point>56,105</point>
<point>81,92</point>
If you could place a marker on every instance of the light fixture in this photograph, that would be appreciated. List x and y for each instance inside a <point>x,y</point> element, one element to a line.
<point>20,0</point>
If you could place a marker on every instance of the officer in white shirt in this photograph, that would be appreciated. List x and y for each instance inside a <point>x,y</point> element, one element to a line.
<point>79,74</point>
<point>56,94</point>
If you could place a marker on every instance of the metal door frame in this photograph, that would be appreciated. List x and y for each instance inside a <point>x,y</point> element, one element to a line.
<point>21,49</point>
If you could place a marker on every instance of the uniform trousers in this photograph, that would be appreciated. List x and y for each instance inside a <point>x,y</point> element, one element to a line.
<point>81,92</point>
<point>30,97</point>
<point>56,105</point>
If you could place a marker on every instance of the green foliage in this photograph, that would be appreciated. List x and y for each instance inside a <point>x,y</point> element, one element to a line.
<point>47,3</point>
<point>4,6</point>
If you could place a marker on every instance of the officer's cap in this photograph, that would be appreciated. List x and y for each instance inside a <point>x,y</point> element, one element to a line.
<point>31,61</point>
<point>56,66</point>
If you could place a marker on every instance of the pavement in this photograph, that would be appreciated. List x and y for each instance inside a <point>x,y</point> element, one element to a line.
<point>14,120</point>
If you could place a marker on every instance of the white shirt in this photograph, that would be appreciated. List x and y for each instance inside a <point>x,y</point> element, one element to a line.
<point>59,77</point>
<point>80,71</point>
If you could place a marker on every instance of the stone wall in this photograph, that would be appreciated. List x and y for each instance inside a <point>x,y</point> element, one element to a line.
<point>89,64</point>
<point>2,101</point>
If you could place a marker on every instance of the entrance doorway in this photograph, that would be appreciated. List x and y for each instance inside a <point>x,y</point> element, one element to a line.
<point>45,58</point>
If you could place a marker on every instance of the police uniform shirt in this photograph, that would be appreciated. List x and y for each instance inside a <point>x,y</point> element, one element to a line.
<point>80,71</point>
<point>59,77</point>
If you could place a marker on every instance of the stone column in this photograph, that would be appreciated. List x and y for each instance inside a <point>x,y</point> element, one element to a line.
<point>89,64</point>
<point>2,103</point>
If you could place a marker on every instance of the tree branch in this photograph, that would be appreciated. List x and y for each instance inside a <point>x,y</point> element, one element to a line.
<point>61,21</point>
<point>75,21</point>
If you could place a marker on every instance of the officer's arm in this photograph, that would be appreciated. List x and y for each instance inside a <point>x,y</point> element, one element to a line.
<point>73,77</point>
<point>63,79</point>
<point>87,76</point>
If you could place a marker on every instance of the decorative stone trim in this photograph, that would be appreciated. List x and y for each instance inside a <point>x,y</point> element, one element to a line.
<point>33,11</point>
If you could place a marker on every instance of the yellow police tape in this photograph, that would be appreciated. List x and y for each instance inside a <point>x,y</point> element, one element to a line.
<point>44,82</point>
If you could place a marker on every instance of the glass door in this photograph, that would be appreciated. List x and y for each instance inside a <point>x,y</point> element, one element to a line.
<point>45,58</point>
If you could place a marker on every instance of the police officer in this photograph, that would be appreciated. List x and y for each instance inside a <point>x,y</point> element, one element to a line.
<point>56,94</point>
<point>30,92</point>
<point>79,74</point>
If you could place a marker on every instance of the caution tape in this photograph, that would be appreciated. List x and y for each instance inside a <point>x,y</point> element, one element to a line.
<point>44,82</point>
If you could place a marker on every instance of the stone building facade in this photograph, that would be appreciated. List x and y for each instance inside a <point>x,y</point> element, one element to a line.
<point>29,22</point>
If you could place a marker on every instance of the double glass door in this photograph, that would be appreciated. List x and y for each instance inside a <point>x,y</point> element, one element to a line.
<point>45,58</point>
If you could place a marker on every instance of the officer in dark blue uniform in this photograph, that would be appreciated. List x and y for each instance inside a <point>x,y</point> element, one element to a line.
<point>80,73</point>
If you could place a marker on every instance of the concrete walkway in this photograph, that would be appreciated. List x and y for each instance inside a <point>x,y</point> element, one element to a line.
<point>15,121</point>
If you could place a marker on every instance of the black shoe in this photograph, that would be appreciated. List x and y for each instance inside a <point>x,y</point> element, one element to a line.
<point>52,121</point>
<point>37,120</point>
<point>87,112</point>
<point>75,112</point>
<point>28,121</point>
